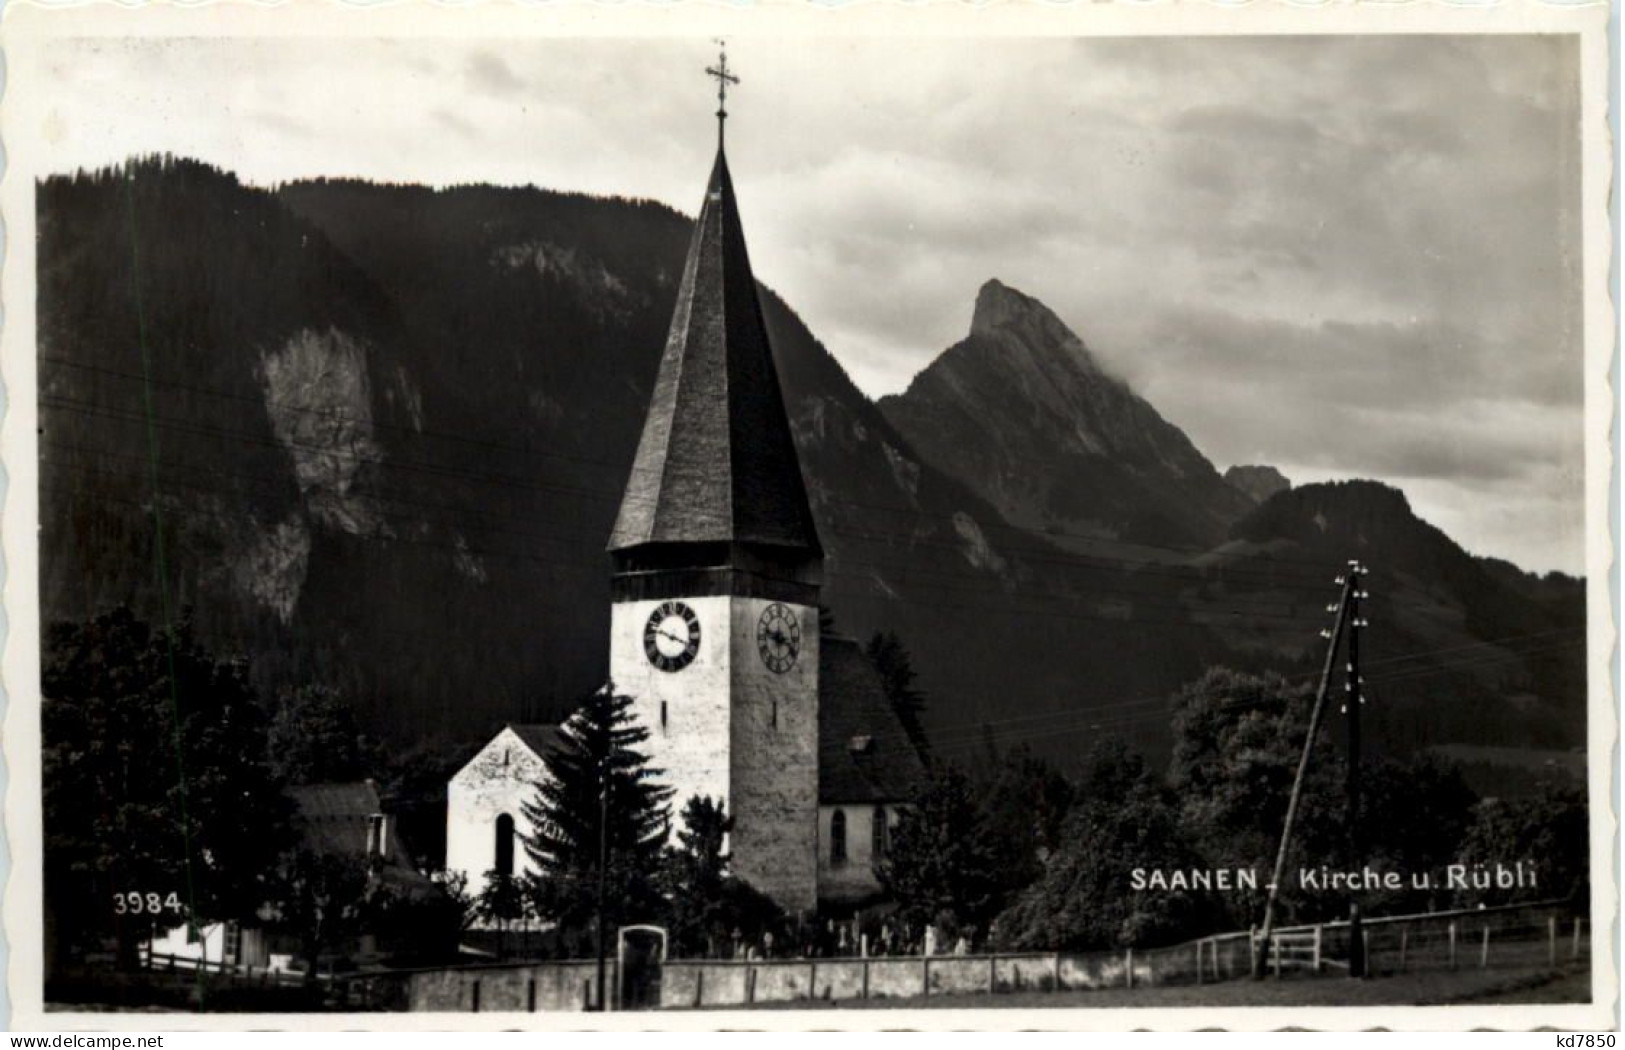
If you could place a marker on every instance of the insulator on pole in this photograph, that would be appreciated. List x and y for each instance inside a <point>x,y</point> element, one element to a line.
<point>1339,581</point>
<point>1325,632</point>
<point>1332,607</point>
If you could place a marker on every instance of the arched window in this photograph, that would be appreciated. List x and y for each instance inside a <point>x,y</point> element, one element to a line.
<point>837,837</point>
<point>504,864</point>
<point>877,833</point>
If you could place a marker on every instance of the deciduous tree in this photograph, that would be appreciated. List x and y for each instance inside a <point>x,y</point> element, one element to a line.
<point>313,738</point>
<point>324,899</point>
<point>939,859</point>
<point>1125,819</point>
<point>154,782</point>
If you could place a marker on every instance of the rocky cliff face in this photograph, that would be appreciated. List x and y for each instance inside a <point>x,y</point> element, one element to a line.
<point>1260,483</point>
<point>318,399</point>
<point>1023,413</point>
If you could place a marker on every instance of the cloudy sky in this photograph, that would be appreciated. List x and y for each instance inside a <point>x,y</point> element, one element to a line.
<point>1353,256</point>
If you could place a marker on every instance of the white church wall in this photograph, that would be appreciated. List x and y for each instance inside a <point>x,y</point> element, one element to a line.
<point>854,877</point>
<point>499,780</point>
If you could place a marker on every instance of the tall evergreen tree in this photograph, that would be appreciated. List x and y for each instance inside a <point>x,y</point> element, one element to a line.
<point>897,675</point>
<point>600,795</point>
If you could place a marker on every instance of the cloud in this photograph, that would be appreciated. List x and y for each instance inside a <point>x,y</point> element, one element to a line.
<point>489,71</point>
<point>282,123</point>
<point>1346,255</point>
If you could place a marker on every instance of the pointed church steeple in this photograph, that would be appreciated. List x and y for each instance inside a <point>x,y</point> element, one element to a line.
<point>716,465</point>
<point>714,628</point>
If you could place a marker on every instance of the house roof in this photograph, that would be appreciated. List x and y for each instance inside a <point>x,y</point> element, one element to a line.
<point>716,462</point>
<point>337,818</point>
<point>864,754</point>
<point>537,736</point>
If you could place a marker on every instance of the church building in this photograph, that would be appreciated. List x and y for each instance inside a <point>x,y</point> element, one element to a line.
<point>716,568</point>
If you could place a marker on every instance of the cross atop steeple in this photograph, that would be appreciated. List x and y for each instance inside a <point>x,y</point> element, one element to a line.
<point>724,78</point>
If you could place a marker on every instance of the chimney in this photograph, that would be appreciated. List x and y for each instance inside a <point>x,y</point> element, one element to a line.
<point>378,836</point>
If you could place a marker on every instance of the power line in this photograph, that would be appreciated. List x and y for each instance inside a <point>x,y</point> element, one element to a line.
<point>1078,719</point>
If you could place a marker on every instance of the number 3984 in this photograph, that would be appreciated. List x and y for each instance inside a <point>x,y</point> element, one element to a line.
<point>136,902</point>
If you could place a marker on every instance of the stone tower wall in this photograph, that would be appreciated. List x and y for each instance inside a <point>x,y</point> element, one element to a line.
<point>775,762</point>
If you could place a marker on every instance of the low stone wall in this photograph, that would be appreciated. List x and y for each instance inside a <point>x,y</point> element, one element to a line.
<point>1517,935</point>
<point>960,974</point>
<point>1015,973</point>
<point>554,987</point>
<point>840,979</point>
<point>896,978</point>
<point>780,982</point>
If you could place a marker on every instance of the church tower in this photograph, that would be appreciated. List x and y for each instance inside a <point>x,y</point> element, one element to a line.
<point>716,567</point>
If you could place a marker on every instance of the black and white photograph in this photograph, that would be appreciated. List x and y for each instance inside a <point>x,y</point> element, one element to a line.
<point>803,520</point>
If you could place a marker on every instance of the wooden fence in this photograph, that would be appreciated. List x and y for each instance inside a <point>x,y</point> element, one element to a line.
<point>219,969</point>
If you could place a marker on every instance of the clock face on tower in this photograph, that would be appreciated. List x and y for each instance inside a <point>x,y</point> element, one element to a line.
<point>671,638</point>
<point>778,638</point>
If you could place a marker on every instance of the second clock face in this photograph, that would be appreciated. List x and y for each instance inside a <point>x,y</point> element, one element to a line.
<point>671,638</point>
<point>778,637</point>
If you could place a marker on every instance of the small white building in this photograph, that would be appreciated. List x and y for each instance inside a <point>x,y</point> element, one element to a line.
<point>485,800</point>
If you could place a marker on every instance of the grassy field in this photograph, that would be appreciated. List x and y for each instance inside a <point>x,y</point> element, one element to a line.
<point>1568,984</point>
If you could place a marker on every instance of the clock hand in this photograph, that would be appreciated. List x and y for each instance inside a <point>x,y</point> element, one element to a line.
<point>673,637</point>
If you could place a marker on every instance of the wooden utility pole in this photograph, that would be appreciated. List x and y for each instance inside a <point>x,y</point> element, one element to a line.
<point>603,865</point>
<point>1349,582</point>
<point>1356,592</point>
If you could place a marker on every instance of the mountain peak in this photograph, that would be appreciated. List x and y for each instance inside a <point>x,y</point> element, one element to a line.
<point>1259,482</point>
<point>999,306</point>
<point>1023,414</point>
